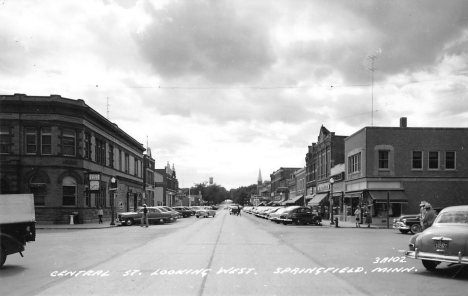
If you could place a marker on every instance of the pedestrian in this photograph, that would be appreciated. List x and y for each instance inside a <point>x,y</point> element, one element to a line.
<point>429,217</point>
<point>238,210</point>
<point>422,212</point>
<point>100,214</point>
<point>368,217</point>
<point>144,218</point>
<point>357,213</point>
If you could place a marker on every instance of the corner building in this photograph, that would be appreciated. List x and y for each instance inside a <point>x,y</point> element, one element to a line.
<point>49,147</point>
<point>392,169</point>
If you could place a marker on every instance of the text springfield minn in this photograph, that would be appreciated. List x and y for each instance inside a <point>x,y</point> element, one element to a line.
<point>229,271</point>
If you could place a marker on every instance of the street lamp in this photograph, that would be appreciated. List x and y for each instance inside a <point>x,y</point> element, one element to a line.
<point>331,201</point>
<point>112,192</point>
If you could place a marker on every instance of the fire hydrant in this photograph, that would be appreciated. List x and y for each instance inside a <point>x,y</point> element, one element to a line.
<point>336,222</point>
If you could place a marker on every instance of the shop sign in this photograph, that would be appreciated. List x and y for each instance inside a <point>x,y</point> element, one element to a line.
<point>323,187</point>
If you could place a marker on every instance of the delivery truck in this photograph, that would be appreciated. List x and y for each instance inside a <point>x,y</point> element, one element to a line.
<point>17,224</point>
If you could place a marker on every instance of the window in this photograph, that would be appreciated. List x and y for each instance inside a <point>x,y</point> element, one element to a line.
<point>100,151</point>
<point>127,163</point>
<point>69,143</point>
<point>87,197</point>
<point>417,160</point>
<point>5,139</point>
<point>46,140</point>
<point>354,163</point>
<point>31,140</point>
<point>383,159</point>
<point>136,167</point>
<point>69,191</point>
<point>87,147</point>
<point>120,160</point>
<point>450,160</point>
<point>111,156</point>
<point>37,187</point>
<point>433,160</point>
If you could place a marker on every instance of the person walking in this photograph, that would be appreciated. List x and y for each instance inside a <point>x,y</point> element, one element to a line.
<point>144,218</point>
<point>357,213</point>
<point>422,212</point>
<point>100,214</point>
<point>368,217</point>
<point>429,217</point>
<point>238,210</point>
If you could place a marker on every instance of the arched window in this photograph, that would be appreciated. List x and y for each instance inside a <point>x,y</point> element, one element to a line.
<point>69,191</point>
<point>38,188</point>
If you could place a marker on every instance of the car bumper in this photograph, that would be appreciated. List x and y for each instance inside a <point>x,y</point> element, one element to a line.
<point>436,257</point>
<point>401,225</point>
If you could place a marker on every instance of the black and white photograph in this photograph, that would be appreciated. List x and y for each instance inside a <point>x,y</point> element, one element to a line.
<point>233,147</point>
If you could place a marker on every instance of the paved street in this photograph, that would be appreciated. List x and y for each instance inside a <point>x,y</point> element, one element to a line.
<point>225,255</point>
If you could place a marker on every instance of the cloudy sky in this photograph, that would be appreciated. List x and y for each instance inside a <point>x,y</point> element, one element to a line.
<point>226,88</point>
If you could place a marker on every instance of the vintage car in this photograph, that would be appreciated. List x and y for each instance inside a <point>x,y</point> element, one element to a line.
<point>169,209</point>
<point>155,215</point>
<point>408,223</point>
<point>185,212</point>
<point>300,215</point>
<point>445,241</point>
<point>205,212</point>
<point>274,217</point>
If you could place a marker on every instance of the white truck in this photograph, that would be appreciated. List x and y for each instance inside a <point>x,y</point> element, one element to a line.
<point>17,223</point>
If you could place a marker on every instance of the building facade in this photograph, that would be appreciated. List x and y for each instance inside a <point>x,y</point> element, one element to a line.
<point>149,179</point>
<point>392,169</point>
<point>168,185</point>
<point>65,153</point>
<point>279,184</point>
<point>321,157</point>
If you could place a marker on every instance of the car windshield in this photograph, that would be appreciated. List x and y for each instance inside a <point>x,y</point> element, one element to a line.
<point>163,210</point>
<point>452,217</point>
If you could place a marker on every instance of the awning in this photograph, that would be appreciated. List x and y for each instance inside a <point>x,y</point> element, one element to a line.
<point>395,196</point>
<point>294,200</point>
<point>270,203</point>
<point>353,194</point>
<point>317,199</point>
<point>261,204</point>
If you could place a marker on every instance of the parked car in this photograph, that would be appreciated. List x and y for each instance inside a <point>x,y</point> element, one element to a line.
<point>274,217</point>
<point>445,241</point>
<point>155,215</point>
<point>300,215</point>
<point>205,212</point>
<point>185,212</point>
<point>171,210</point>
<point>410,223</point>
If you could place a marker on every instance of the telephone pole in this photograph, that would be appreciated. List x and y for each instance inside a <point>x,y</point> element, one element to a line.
<point>372,69</point>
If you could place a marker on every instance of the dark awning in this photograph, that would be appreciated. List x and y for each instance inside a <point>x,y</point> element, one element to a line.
<point>395,196</point>
<point>294,200</point>
<point>309,197</point>
<point>317,199</point>
<point>353,194</point>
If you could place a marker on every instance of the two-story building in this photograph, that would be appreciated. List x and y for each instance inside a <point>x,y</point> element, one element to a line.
<point>167,185</point>
<point>392,169</point>
<point>279,184</point>
<point>65,153</point>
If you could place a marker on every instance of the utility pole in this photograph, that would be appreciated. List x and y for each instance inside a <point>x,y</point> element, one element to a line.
<point>107,108</point>
<point>372,69</point>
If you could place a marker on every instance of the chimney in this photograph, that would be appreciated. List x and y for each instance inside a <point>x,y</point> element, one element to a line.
<point>403,122</point>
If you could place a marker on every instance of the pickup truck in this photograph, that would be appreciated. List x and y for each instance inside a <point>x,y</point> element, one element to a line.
<point>17,223</point>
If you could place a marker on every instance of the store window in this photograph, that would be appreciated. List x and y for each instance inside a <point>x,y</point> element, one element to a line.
<point>450,160</point>
<point>46,141</point>
<point>69,191</point>
<point>5,139</point>
<point>37,187</point>
<point>69,143</point>
<point>433,160</point>
<point>383,159</point>
<point>417,160</point>
<point>31,140</point>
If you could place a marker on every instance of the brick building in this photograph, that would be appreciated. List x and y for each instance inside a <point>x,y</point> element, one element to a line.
<point>51,146</point>
<point>321,157</point>
<point>167,186</point>
<point>406,165</point>
<point>279,184</point>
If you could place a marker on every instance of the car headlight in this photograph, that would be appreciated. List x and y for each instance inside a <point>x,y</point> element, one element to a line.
<point>404,221</point>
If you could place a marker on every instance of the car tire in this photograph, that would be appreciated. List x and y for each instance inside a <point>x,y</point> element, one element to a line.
<point>430,265</point>
<point>197,216</point>
<point>415,228</point>
<point>297,222</point>
<point>404,231</point>
<point>285,223</point>
<point>3,255</point>
<point>129,221</point>
<point>277,222</point>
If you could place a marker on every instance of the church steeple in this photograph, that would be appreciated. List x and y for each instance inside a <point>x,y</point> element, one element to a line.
<point>259,181</point>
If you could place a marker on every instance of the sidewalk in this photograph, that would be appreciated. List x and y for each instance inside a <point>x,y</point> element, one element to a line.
<point>105,224</point>
<point>352,224</point>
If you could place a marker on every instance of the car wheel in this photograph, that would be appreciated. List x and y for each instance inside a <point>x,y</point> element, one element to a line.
<point>415,228</point>
<point>129,222</point>
<point>214,215</point>
<point>297,222</point>
<point>3,255</point>
<point>404,231</point>
<point>285,223</point>
<point>277,222</point>
<point>197,216</point>
<point>430,265</point>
